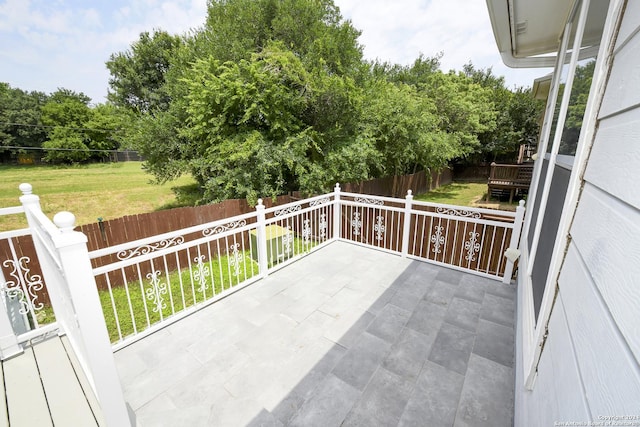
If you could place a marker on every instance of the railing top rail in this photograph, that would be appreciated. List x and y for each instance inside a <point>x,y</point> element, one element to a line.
<point>200,227</point>
<point>511,165</point>
<point>169,235</point>
<point>12,210</point>
<point>44,222</point>
<point>471,220</point>
<point>14,233</point>
<point>436,206</point>
<point>144,255</point>
<point>493,212</point>
<point>286,207</point>
<point>370,197</point>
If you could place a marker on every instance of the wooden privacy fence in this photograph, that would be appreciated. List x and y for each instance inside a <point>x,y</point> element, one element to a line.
<point>397,186</point>
<point>134,227</point>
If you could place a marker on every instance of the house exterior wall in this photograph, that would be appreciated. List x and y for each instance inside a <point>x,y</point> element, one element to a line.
<point>589,366</point>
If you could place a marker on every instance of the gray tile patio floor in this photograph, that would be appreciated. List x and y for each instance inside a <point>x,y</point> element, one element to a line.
<point>346,336</point>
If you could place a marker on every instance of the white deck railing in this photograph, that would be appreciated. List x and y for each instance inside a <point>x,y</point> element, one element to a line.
<point>148,283</point>
<point>66,269</point>
<point>20,293</point>
<point>143,285</point>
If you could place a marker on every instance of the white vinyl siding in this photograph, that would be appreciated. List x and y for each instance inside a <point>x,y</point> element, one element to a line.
<point>556,396</point>
<point>593,342</point>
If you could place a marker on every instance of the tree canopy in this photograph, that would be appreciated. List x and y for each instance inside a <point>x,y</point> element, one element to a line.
<point>270,96</point>
<point>62,124</point>
<point>274,95</point>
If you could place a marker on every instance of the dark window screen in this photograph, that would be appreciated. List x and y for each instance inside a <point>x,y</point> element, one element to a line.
<point>536,205</point>
<point>548,233</point>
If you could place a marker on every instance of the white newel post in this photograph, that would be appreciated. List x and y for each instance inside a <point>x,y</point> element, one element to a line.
<point>62,307</point>
<point>407,224</point>
<point>337,213</point>
<point>91,327</point>
<point>512,253</point>
<point>261,240</point>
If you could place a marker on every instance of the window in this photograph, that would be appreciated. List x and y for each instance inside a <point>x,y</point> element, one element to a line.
<point>545,225</point>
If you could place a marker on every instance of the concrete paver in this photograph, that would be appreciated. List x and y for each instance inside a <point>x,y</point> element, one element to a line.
<point>344,336</point>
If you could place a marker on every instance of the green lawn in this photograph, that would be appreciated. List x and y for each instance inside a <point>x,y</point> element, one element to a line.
<point>106,190</point>
<point>464,194</point>
<point>181,288</point>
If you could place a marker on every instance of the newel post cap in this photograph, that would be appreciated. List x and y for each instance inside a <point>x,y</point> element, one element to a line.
<point>66,221</point>
<point>26,188</point>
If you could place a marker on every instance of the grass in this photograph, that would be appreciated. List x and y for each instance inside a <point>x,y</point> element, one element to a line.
<point>106,190</point>
<point>182,288</point>
<point>464,193</point>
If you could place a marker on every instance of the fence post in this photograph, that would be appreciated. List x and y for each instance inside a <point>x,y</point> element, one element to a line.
<point>512,253</point>
<point>337,213</point>
<point>407,224</point>
<point>261,240</point>
<point>92,329</point>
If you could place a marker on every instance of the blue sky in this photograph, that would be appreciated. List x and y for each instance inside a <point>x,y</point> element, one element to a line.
<point>46,44</point>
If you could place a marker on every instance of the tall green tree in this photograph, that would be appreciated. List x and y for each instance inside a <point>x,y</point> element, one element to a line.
<point>274,95</point>
<point>66,114</point>
<point>20,118</point>
<point>234,102</point>
<point>464,109</point>
<point>138,74</point>
<point>516,118</point>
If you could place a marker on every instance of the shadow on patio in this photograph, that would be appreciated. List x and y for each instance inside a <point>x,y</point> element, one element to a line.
<point>344,336</point>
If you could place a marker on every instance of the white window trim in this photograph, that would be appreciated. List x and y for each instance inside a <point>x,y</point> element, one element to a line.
<point>534,334</point>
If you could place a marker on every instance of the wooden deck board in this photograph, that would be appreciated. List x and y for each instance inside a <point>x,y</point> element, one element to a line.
<point>84,383</point>
<point>45,386</point>
<point>26,401</point>
<point>61,386</point>
<point>4,416</point>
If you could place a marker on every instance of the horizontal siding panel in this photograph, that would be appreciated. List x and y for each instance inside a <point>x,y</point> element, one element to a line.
<point>630,22</point>
<point>609,372</point>
<point>563,382</point>
<point>607,232</point>
<point>542,402</point>
<point>614,164</point>
<point>625,75</point>
<point>571,399</point>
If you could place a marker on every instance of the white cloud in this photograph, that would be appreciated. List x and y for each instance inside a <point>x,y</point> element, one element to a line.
<point>51,44</point>
<point>61,43</point>
<point>399,31</point>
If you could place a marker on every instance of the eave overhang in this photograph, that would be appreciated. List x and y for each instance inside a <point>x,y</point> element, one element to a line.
<point>528,32</point>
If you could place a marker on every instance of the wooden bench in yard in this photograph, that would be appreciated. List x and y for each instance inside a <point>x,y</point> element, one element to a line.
<point>509,177</point>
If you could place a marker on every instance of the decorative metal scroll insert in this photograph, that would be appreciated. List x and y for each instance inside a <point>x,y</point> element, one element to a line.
<point>224,227</point>
<point>437,239</point>
<point>368,201</point>
<point>152,247</point>
<point>472,246</point>
<point>25,285</point>
<point>290,209</point>
<point>320,202</point>
<point>458,212</point>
